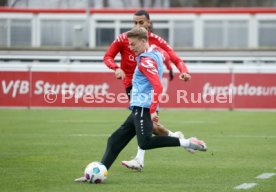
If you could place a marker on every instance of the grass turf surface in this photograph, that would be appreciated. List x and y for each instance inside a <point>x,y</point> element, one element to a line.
<point>45,150</point>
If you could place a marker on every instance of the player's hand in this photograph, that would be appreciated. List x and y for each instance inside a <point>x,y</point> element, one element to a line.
<point>154,117</point>
<point>185,76</point>
<point>120,74</point>
<point>171,75</point>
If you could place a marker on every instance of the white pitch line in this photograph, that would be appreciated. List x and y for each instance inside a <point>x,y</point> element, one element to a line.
<point>265,175</point>
<point>245,186</point>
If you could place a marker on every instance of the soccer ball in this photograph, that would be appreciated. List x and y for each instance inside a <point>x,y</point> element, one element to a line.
<point>95,172</point>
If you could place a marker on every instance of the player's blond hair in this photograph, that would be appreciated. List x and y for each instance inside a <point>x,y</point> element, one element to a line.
<point>139,32</point>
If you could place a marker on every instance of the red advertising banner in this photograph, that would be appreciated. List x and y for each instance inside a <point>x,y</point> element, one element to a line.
<point>101,89</point>
<point>255,91</point>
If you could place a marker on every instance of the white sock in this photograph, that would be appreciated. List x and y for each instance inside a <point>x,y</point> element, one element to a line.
<point>172,134</point>
<point>140,155</point>
<point>184,142</point>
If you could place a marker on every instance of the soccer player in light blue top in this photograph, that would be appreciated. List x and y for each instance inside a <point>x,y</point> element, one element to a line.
<point>144,102</point>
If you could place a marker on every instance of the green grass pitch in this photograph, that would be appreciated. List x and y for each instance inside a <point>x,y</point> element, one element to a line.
<point>45,150</point>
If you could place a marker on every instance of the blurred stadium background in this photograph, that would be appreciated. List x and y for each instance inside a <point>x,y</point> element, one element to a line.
<point>234,41</point>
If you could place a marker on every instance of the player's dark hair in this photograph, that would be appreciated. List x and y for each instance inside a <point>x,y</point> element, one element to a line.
<point>144,12</point>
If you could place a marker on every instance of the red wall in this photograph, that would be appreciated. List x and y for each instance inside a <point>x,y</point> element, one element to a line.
<point>101,89</point>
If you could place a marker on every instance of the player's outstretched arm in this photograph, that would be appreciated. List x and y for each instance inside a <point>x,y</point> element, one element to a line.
<point>167,62</point>
<point>178,62</point>
<point>111,53</point>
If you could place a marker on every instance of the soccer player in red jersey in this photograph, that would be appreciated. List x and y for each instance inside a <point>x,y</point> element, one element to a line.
<point>126,70</point>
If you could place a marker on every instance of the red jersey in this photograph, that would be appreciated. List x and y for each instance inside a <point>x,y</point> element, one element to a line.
<point>128,58</point>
